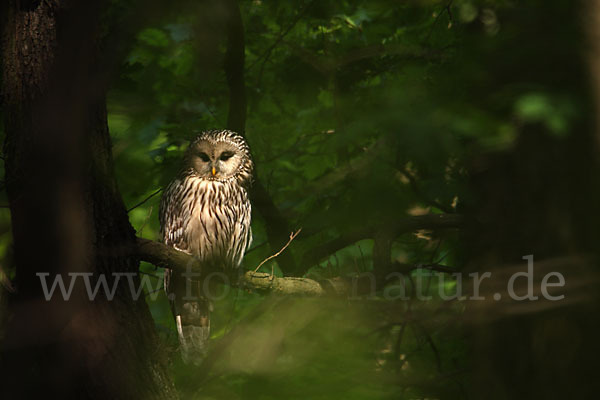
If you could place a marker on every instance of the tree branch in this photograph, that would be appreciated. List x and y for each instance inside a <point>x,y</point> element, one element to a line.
<point>327,64</point>
<point>167,257</point>
<point>365,284</point>
<point>396,227</point>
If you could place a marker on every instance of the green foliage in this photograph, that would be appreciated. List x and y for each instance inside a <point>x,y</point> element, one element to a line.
<point>359,113</point>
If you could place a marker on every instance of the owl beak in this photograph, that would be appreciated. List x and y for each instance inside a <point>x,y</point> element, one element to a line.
<point>214,171</point>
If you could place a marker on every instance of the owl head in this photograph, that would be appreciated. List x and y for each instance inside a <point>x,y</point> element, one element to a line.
<point>220,156</point>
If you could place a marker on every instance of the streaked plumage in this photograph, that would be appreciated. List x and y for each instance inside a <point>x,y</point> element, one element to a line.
<point>205,212</point>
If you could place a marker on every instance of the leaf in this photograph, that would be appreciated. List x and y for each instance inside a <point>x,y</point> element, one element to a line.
<point>154,37</point>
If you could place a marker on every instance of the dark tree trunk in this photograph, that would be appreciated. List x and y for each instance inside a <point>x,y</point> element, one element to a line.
<point>67,216</point>
<point>277,227</point>
<point>538,199</point>
<point>530,204</point>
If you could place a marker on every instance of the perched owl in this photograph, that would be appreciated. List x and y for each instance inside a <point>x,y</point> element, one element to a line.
<point>205,212</point>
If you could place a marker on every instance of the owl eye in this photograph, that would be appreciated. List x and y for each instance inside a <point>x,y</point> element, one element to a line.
<point>226,155</point>
<point>204,157</point>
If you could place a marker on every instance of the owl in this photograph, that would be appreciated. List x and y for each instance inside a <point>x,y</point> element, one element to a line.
<point>205,212</point>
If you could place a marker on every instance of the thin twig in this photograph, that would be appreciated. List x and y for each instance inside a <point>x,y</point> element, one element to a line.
<point>146,220</point>
<point>145,200</point>
<point>154,291</point>
<point>446,8</point>
<point>362,258</point>
<point>437,247</point>
<point>399,343</point>
<point>214,115</point>
<point>256,247</point>
<point>150,275</point>
<point>282,34</point>
<point>292,237</point>
<point>431,343</point>
<point>265,57</point>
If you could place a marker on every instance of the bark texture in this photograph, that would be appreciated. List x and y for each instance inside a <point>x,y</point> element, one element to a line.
<point>67,215</point>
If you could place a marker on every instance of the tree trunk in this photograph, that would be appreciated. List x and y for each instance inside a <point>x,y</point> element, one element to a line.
<point>529,201</point>
<point>68,216</point>
<point>537,198</point>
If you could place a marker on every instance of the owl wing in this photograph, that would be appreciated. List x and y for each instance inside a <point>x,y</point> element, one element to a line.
<point>173,216</point>
<point>173,221</point>
<point>241,239</point>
